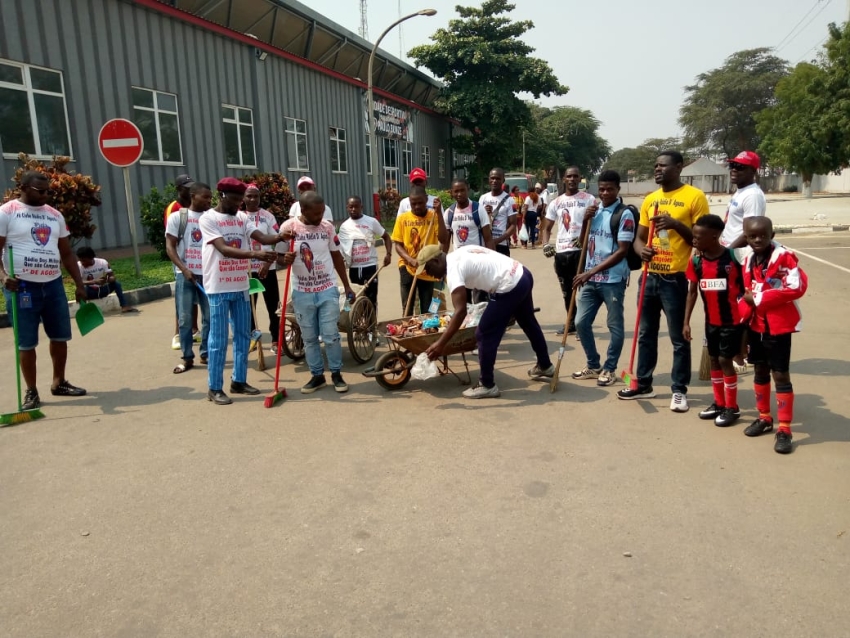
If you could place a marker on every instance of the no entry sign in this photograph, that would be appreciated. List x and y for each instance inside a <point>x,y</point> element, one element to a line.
<point>120,142</point>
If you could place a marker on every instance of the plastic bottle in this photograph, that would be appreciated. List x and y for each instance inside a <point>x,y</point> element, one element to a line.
<point>663,239</point>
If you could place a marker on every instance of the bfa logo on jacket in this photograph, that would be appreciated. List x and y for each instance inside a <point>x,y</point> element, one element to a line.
<point>41,234</point>
<point>306,254</point>
<point>462,234</point>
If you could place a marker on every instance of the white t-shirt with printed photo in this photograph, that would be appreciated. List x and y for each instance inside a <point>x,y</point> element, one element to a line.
<point>295,211</point>
<point>464,230</point>
<point>266,223</point>
<point>225,274</point>
<point>567,213</point>
<point>33,232</point>
<point>746,202</point>
<point>94,273</point>
<point>503,208</point>
<point>189,248</point>
<point>357,239</point>
<point>479,268</point>
<point>313,268</point>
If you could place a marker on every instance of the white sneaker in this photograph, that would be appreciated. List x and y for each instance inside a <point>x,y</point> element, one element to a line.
<point>679,402</point>
<point>606,378</point>
<point>478,391</point>
<point>542,373</point>
<point>587,373</point>
<point>740,369</point>
<point>196,336</point>
<point>175,342</point>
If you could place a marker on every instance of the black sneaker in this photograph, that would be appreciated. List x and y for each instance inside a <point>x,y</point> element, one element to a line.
<point>729,416</point>
<point>783,443</point>
<point>572,330</point>
<point>65,389</point>
<point>339,384</point>
<point>758,427</point>
<point>219,397</point>
<point>642,392</point>
<point>559,332</point>
<point>315,383</point>
<point>242,388</point>
<point>711,412</point>
<point>31,400</point>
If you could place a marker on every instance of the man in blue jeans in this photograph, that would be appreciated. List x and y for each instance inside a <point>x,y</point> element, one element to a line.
<point>315,297</point>
<point>604,280</point>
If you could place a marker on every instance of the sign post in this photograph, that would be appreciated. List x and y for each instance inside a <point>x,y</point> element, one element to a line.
<point>121,144</point>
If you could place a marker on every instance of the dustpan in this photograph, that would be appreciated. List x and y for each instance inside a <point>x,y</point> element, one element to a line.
<point>255,286</point>
<point>88,317</point>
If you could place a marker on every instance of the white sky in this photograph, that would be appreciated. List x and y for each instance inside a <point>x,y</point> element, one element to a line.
<point>629,61</point>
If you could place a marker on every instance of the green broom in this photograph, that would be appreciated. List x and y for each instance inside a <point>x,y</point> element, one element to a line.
<point>21,416</point>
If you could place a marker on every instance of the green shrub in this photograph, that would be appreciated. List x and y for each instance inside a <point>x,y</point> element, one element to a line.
<point>152,215</point>
<point>791,188</point>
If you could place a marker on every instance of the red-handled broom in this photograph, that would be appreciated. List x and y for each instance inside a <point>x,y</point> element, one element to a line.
<point>279,393</point>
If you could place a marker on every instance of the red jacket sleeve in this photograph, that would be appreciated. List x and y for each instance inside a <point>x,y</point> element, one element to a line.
<point>788,284</point>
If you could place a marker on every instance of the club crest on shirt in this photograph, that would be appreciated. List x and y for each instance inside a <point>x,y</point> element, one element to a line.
<point>462,234</point>
<point>235,243</point>
<point>306,254</point>
<point>41,234</point>
<point>196,235</point>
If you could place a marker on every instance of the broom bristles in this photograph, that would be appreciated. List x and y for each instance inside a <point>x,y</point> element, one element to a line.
<point>274,398</point>
<point>704,365</point>
<point>21,417</point>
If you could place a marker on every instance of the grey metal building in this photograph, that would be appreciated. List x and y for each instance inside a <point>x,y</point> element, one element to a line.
<point>217,87</point>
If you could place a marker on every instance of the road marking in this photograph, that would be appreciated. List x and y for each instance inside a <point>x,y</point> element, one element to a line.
<point>121,142</point>
<point>823,261</point>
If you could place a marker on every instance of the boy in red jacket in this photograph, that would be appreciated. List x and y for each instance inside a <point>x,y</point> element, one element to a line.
<point>773,281</point>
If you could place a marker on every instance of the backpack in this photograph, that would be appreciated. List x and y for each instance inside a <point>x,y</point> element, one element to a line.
<point>476,217</point>
<point>632,257</point>
<point>184,221</point>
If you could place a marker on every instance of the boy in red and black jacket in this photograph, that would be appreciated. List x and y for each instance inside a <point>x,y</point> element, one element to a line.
<point>773,282</point>
<point>715,273</point>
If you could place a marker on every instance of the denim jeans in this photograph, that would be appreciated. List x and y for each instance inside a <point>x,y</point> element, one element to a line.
<point>187,295</point>
<point>667,294</point>
<point>530,222</point>
<point>231,308</point>
<point>47,305</point>
<point>99,292</point>
<point>318,314</point>
<point>590,299</point>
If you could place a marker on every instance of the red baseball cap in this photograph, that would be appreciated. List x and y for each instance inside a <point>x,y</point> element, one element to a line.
<point>231,185</point>
<point>305,180</point>
<point>418,173</point>
<point>747,158</point>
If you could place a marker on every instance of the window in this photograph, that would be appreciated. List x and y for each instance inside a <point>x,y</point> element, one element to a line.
<point>238,136</point>
<point>390,148</point>
<point>296,144</point>
<point>155,113</point>
<point>426,160</point>
<point>406,158</point>
<point>441,162</point>
<point>368,154</point>
<point>339,156</point>
<point>33,114</point>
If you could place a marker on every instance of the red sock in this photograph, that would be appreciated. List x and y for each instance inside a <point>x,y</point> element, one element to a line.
<point>762,391</point>
<point>730,386</point>
<point>717,386</point>
<point>785,410</point>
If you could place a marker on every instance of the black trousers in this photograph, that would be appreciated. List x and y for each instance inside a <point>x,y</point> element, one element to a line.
<point>566,268</point>
<point>424,289</point>
<point>360,275</point>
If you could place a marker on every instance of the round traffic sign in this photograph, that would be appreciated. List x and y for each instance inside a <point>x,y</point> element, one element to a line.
<point>120,142</point>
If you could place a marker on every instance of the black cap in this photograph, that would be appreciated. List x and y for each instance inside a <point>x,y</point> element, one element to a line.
<point>183,180</point>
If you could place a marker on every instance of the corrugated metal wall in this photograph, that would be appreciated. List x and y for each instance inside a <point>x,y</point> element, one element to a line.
<point>103,47</point>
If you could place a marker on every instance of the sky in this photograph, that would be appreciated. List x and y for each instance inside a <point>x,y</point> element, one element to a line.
<point>629,62</point>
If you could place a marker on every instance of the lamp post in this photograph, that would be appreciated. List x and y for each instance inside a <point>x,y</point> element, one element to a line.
<point>370,108</point>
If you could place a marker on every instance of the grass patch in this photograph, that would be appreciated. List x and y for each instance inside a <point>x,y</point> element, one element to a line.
<point>154,271</point>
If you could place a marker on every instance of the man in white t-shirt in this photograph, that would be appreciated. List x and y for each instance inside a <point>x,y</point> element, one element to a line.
<point>567,211</point>
<point>305,185</point>
<point>358,236</point>
<point>227,233</point>
<point>418,177</point>
<point>315,297</point>
<point>99,279</point>
<point>543,192</point>
<point>467,222</point>
<point>183,245</point>
<point>38,236</point>
<point>509,285</point>
<point>499,207</point>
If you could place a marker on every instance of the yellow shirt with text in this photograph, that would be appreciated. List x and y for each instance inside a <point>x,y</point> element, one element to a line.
<point>685,204</point>
<point>414,233</point>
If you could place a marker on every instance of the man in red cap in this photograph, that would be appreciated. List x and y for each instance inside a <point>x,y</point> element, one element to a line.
<point>306,184</point>
<point>748,201</point>
<point>418,177</point>
<point>226,233</point>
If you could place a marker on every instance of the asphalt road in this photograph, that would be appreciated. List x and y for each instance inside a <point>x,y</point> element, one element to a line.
<point>144,510</point>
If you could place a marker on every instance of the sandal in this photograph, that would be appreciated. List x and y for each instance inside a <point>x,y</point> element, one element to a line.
<point>180,368</point>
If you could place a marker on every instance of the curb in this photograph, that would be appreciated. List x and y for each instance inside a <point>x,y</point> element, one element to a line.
<point>802,230</point>
<point>109,305</point>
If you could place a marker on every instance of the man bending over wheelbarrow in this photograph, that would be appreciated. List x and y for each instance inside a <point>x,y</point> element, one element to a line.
<point>509,285</point>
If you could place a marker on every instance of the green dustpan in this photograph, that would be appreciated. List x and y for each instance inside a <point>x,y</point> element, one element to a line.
<point>88,317</point>
<point>255,286</point>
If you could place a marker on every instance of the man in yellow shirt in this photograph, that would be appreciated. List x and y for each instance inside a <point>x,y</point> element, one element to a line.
<point>673,208</point>
<point>414,230</point>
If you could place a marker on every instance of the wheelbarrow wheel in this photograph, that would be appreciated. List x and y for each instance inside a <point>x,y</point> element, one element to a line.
<point>362,324</point>
<point>400,374</point>
<point>293,343</point>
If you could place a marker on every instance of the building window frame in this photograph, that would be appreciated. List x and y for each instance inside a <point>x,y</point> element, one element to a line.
<point>236,120</point>
<point>296,135</point>
<point>406,158</point>
<point>158,111</point>
<point>441,162</point>
<point>27,86</point>
<point>368,154</point>
<point>426,160</point>
<point>339,150</point>
<point>390,152</point>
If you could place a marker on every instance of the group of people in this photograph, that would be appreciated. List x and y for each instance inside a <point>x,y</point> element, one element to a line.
<point>749,283</point>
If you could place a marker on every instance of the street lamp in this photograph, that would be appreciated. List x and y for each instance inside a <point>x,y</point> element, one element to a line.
<point>370,108</point>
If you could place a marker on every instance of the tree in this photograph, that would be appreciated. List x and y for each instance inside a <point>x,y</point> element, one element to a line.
<point>639,162</point>
<point>719,110</point>
<point>483,64</point>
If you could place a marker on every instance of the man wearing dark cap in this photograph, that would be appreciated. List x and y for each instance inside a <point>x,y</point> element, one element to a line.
<point>184,200</point>
<point>418,177</point>
<point>226,235</point>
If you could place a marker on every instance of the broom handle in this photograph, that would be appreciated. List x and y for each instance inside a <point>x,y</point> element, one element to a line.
<point>15,331</point>
<point>643,279</point>
<point>282,326</point>
<point>581,261</point>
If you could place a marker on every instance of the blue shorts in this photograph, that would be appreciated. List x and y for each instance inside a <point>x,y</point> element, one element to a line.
<point>49,306</point>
